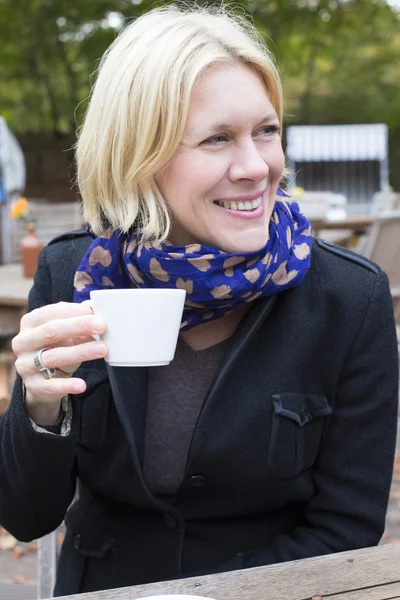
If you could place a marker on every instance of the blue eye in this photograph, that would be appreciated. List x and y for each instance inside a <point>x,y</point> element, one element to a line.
<point>216,139</point>
<point>269,130</point>
<point>221,138</point>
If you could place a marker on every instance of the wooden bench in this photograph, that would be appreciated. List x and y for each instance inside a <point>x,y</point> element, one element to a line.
<point>367,574</point>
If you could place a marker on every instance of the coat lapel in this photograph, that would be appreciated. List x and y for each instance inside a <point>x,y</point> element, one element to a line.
<point>246,329</point>
<point>129,388</point>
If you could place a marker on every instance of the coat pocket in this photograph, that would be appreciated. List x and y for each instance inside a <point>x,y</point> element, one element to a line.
<point>297,426</point>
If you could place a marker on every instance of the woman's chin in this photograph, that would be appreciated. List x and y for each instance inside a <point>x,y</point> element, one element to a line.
<point>245,244</point>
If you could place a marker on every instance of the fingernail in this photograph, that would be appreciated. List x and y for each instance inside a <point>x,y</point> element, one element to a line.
<point>77,387</point>
<point>99,348</point>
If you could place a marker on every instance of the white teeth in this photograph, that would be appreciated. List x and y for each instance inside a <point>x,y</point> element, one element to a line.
<point>247,205</point>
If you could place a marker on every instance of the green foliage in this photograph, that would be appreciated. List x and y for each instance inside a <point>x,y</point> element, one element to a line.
<point>48,50</point>
<point>339,58</point>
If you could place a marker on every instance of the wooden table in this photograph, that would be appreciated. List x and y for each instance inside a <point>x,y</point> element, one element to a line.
<point>14,290</point>
<point>356,224</point>
<point>345,232</point>
<point>368,574</point>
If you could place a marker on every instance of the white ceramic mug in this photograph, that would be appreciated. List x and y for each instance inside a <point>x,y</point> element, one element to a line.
<point>142,324</point>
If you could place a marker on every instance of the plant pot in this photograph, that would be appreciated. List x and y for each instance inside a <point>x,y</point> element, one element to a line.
<point>30,249</point>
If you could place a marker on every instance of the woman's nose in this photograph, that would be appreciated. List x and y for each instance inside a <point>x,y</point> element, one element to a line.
<point>248,164</point>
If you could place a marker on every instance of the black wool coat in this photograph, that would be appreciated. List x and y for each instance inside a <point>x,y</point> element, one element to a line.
<point>291,456</point>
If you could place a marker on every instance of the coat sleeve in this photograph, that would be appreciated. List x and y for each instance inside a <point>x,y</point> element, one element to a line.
<point>354,469</point>
<point>37,470</point>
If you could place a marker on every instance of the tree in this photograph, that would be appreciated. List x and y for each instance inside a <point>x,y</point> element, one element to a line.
<point>339,58</point>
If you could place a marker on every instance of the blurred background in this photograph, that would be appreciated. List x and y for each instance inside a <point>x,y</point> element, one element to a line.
<point>339,59</point>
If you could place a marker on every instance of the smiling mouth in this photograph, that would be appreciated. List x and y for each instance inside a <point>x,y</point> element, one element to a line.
<point>247,205</point>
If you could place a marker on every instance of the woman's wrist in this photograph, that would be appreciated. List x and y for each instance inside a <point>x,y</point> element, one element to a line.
<point>44,414</point>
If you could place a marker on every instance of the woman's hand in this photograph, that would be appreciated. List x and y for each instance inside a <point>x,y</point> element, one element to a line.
<point>66,329</point>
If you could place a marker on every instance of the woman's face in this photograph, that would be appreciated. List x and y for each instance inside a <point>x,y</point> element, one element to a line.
<point>221,183</point>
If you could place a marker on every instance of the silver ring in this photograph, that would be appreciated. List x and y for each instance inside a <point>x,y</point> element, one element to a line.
<point>37,360</point>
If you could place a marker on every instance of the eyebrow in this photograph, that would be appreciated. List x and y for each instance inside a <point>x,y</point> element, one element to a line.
<point>217,127</point>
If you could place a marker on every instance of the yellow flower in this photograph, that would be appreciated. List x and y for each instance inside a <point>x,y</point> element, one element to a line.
<point>298,192</point>
<point>19,209</point>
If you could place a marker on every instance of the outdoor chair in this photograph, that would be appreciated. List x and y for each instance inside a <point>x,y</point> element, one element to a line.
<point>383,247</point>
<point>383,201</point>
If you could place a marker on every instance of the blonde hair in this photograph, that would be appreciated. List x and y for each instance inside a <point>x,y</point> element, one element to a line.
<point>139,104</point>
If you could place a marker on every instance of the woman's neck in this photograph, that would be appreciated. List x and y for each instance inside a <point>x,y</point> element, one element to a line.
<point>208,334</point>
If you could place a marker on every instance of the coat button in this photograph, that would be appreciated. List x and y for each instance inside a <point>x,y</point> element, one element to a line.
<point>197,480</point>
<point>170,521</point>
<point>77,542</point>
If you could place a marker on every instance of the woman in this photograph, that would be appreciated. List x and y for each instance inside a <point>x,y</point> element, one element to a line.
<point>270,437</point>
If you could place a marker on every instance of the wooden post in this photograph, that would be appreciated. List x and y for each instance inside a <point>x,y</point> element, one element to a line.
<point>47,565</point>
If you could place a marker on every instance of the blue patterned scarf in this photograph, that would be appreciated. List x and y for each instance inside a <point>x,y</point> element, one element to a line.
<point>215,282</point>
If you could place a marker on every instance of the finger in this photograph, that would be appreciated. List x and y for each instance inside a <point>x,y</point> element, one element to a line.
<point>26,368</point>
<point>60,310</point>
<point>65,358</point>
<point>55,332</point>
<point>50,390</point>
<point>68,358</point>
